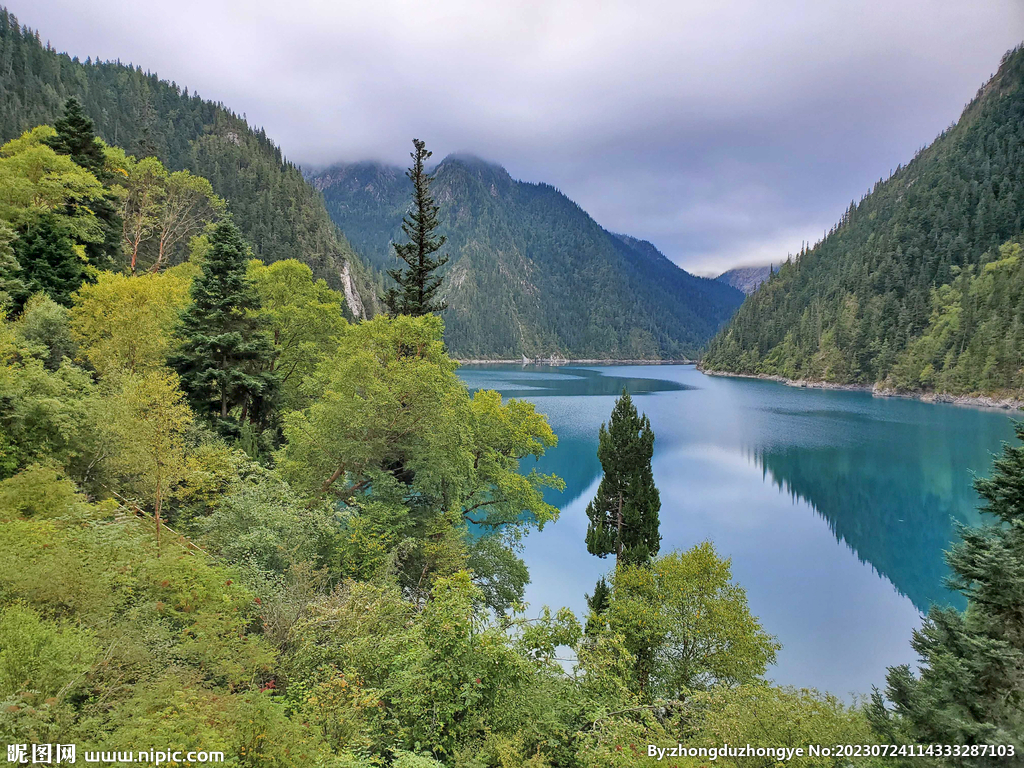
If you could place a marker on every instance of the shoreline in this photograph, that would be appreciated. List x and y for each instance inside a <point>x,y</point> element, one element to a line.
<point>969,401</point>
<point>556,361</point>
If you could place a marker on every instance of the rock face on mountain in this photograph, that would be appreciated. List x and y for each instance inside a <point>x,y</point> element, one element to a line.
<point>531,273</point>
<point>746,279</point>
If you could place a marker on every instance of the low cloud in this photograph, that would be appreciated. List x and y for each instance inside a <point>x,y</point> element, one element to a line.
<point>722,132</point>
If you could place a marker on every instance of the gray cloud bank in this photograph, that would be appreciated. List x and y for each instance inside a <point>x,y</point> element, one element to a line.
<point>725,132</point>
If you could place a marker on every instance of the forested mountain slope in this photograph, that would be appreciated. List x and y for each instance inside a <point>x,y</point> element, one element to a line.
<point>279,214</point>
<point>917,286</point>
<point>531,273</point>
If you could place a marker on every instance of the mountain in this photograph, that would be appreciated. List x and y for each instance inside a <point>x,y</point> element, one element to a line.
<point>746,279</point>
<point>920,285</point>
<point>530,272</point>
<point>280,215</point>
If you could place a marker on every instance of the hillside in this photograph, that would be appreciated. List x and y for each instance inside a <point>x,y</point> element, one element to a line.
<point>746,279</point>
<point>918,286</point>
<point>279,214</point>
<point>531,273</point>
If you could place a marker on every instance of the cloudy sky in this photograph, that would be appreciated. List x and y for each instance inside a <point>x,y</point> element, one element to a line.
<point>725,132</point>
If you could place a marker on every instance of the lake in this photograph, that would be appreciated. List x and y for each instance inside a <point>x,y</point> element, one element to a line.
<point>834,506</point>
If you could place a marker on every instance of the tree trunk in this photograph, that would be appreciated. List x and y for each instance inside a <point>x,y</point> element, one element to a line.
<point>159,500</point>
<point>618,540</point>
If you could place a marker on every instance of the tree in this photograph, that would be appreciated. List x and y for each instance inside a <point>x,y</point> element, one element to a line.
<point>50,203</point>
<point>624,514</point>
<point>971,684</point>
<point>149,421</point>
<point>417,284</point>
<point>51,260</point>
<point>127,323</point>
<point>687,624</point>
<point>11,286</point>
<point>75,137</point>
<point>188,206</point>
<point>303,317</point>
<point>224,359</point>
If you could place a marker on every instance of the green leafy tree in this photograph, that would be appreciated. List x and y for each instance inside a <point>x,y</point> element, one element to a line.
<point>150,418</point>
<point>304,319</point>
<point>417,283</point>
<point>124,322</point>
<point>11,285</point>
<point>971,684</point>
<point>224,358</point>
<point>624,514</point>
<point>687,624</point>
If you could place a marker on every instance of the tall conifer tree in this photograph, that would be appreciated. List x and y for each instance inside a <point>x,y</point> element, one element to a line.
<point>624,514</point>
<point>971,684</point>
<point>77,139</point>
<point>224,360</point>
<point>417,284</point>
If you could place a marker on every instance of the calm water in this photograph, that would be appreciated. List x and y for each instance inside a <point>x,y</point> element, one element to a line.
<point>835,507</point>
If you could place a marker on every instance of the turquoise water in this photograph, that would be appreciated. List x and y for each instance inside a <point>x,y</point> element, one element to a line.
<point>835,507</point>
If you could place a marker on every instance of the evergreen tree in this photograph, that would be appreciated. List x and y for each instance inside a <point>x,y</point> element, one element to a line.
<point>417,284</point>
<point>224,360</point>
<point>971,686</point>
<point>48,259</point>
<point>77,139</point>
<point>598,604</point>
<point>624,514</point>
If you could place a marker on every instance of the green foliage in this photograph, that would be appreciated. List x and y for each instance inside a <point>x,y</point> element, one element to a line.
<point>974,340</point>
<point>124,323</point>
<point>224,356</point>
<point>417,283</point>
<point>74,137</point>
<point>624,514</point>
<point>160,210</point>
<point>303,317</point>
<point>44,327</point>
<point>687,624</point>
<point>971,680</point>
<point>46,416</point>
<point>899,291</point>
<point>280,215</point>
<point>530,272</point>
<point>40,656</point>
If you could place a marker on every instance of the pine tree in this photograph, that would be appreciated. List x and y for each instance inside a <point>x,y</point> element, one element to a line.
<point>971,684</point>
<point>417,285</point>
<point>48,259</point>
<point>624,514</point>
<point>225,358</point>
<point>598,604</point>
<point>77,139</point>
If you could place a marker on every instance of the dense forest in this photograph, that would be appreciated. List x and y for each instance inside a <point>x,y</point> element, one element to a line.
<point>530,273</point>
<point>918,287</point>
<point>280,216</point>
<point>239,522</point>
<point>236,517</point>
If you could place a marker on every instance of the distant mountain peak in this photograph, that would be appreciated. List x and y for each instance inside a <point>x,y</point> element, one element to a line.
<point>531,273</point>
<point>747,279</point>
